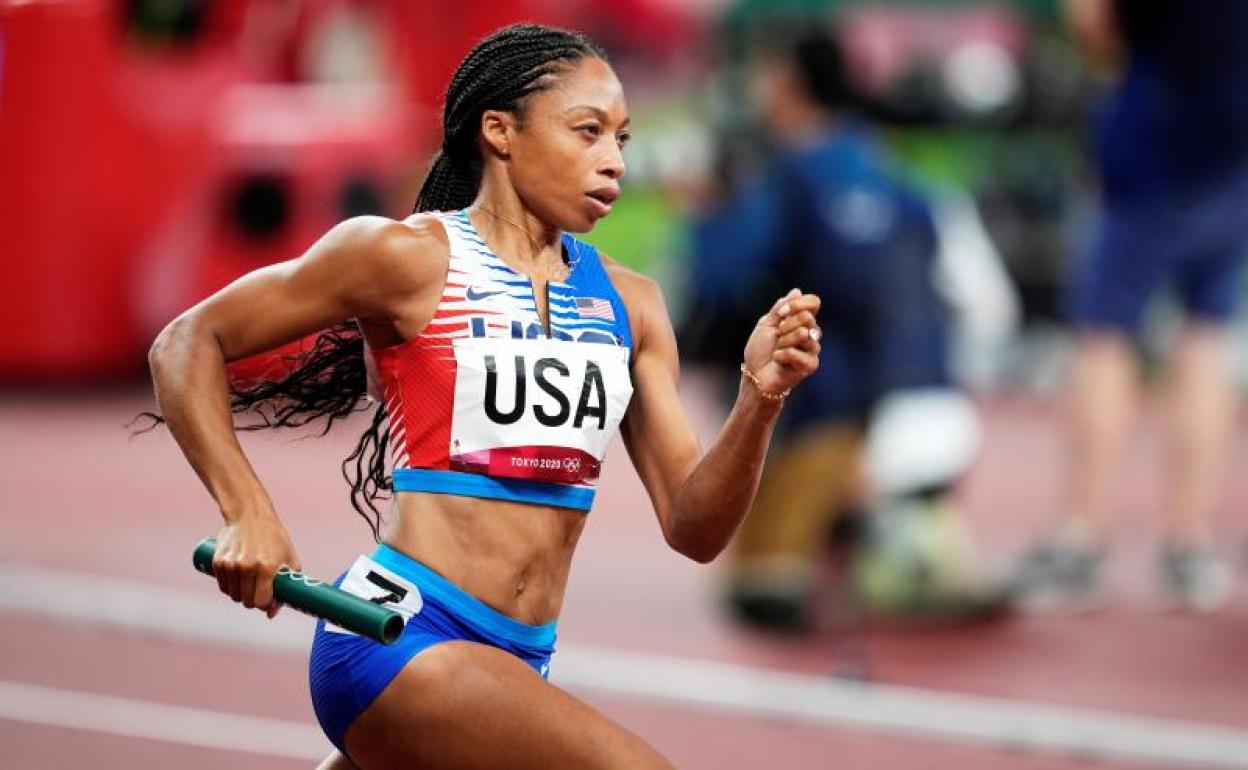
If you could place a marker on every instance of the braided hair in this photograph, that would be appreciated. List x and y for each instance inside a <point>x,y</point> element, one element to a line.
<point>328,380</point>
<point>497,74</point>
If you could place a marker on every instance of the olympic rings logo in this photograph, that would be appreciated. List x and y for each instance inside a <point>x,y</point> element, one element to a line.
<point>310,582</point>
<point>572,464</point>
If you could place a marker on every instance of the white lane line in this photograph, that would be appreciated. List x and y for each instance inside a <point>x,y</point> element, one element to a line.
<point>203,617</point>
<point>998,722</point>
<point>160,722</point>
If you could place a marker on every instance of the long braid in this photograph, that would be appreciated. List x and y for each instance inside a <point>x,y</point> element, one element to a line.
<point>329,379</point>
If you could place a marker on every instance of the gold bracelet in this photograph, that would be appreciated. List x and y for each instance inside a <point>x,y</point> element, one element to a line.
<point>759,386</point>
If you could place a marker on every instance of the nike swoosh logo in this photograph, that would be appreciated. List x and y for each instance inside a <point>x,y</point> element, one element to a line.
<point>472,295</point>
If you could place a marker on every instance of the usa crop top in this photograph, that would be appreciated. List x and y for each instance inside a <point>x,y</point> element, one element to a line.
<point>483,403</point>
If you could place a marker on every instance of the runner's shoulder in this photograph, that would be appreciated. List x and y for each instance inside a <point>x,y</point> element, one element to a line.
<point>637,289</point>
<point>414,249</point>
<point>642,296</point>
<point>417,235</point>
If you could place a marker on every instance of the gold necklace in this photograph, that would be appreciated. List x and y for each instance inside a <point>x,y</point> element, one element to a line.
<point>533,244</point>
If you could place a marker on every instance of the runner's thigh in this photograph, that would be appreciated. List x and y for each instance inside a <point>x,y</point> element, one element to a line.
<point>464,705</point>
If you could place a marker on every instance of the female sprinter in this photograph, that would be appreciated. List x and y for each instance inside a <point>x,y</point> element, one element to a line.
<point>506,354</point>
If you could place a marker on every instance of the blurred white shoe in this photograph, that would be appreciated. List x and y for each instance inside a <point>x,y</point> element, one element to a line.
<point>1195,580</point>
<point>1059,576</point>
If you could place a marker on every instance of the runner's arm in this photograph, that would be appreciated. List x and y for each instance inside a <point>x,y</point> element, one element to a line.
<point>364,267</point>
<point>701,498</point>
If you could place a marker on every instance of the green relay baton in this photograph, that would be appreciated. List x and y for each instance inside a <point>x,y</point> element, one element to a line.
<point>320,599</point>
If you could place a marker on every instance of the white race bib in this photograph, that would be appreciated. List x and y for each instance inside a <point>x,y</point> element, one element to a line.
<point>538,409</point>
<point>369,580</point>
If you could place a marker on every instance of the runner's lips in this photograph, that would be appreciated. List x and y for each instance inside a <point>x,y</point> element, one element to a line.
<point>607,195</point>
<point>603,198</point>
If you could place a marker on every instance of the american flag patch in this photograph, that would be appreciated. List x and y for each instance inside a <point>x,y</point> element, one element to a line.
<point>594,307</point>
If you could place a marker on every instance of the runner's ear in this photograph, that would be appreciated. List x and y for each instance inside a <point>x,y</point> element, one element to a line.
<point>497,130</point>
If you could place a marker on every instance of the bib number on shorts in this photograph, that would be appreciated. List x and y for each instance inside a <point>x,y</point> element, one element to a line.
<point>369,580</point>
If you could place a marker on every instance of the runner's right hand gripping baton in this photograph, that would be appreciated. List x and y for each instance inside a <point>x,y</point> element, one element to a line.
<point>322,600</point>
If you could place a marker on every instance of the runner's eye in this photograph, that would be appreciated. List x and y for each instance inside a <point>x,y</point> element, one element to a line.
<point>590,129</point>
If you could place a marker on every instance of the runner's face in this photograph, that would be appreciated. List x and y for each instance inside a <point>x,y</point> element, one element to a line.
<point>566,160</point>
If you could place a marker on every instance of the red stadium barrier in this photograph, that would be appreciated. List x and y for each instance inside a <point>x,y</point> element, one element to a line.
<point>294,160</point>
<point>97,141</point>
<point>142,171</point>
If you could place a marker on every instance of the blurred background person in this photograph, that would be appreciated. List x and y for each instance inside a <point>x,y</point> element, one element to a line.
<point>827,212</point>
<point>1173,162</point>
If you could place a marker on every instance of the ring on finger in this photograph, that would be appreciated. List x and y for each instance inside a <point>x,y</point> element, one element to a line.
<point>815,334</point>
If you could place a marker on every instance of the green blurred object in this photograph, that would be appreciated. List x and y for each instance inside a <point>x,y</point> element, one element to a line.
<point>915,567</point>
<point>320,599</point>
<point>643,229</point>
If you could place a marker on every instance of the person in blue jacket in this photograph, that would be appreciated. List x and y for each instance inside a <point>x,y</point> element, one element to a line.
<point>827,213</point>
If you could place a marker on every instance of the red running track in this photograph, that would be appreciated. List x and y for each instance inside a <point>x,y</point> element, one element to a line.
<point>80,497</point>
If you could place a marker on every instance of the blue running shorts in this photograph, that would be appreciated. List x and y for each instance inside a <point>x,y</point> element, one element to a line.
<point>347,672</point>
<point>1194,241</point>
